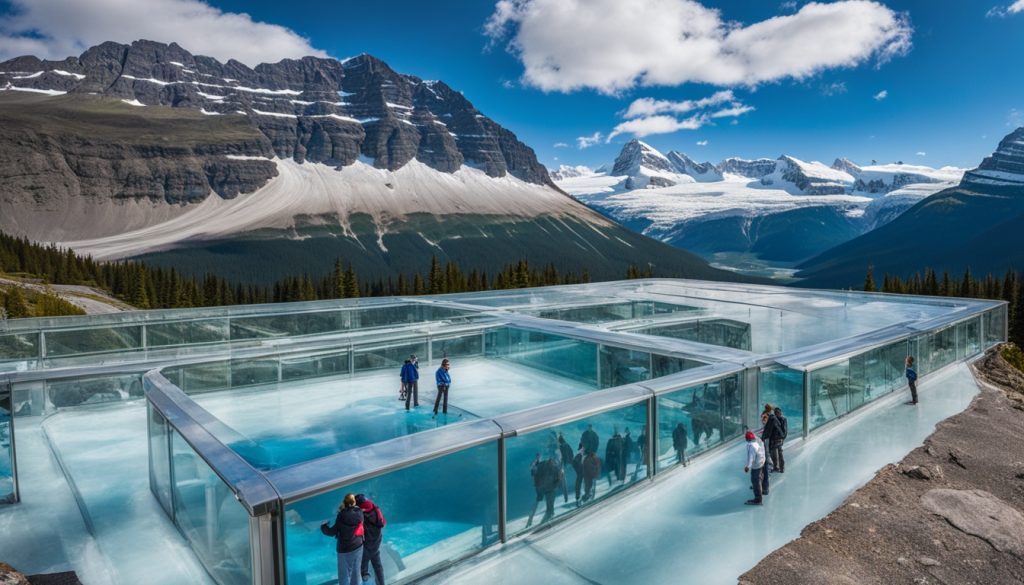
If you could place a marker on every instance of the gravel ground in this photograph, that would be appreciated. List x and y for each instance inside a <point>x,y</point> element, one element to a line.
<point>951,512</point>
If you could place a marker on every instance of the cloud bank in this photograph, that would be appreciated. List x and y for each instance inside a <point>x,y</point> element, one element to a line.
<point>612,46</point>
<point>646,116</point>
<point>55,29</point>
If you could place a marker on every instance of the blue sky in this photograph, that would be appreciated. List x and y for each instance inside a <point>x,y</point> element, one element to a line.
<point>953,86</point>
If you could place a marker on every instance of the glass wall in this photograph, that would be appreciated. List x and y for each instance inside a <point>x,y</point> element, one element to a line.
<point>542,480</point>
<point>210,517</point>
<point>831,388</point>
<point>19,346</point>
<point>7,477</point>
<point>968,341</point>
<point>469,345</point>
<point>941,348</point>
<point>720,332</point>
<point>315,365</point>
<point>160,459</point>
<point>187,332</point>
<point>390,356</point>
<point>558,355</point>
<point>93,389</point>
<point>784,388</point>
<point>623,366</point>
<point>698,418</point>
<point>87,341</point>
<point>436,512</point>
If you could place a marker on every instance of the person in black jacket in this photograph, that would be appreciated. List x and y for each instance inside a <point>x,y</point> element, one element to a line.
<point>567,456</point>
<point>373,522</point>
<point>776,445</point>
<point>771,433</point>
<point>612,456</point>
<point>679,441</point>
<point>590,440</point>
<point>348,530</point>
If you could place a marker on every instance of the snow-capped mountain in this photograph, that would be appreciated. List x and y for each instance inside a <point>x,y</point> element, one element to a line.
<point>145,150</point>
<point>976,224</point>
<point>783,209</point>
<point>570,172</point>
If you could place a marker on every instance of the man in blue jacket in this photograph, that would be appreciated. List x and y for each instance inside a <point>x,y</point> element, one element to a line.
<point>444,380</point>
<point>410,377</point>
<point>911,379</point>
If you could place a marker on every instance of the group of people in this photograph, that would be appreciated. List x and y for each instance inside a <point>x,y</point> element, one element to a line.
<point>358,529</point>
<point>764,452</point>
<point>410,389</point>
<point>548,471</point>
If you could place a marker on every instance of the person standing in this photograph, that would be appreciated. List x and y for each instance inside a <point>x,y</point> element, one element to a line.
<point>577,467</point>
<point>612,455</point>
<point>756,468</point>
<point>641,443</point>
<point>776,446</point>
<point>590,440</point>
<point>444,380</point>
<point>679,441</point>
<point>627,454</point>
<point>547,476</point>
<point>349,531</point>
<point>567,460</point>
<point>410,375</point>
<point>591,471</point>
<point>911,375</point>
<point>373,524</point>
<point>403,386</point>
<point>771,433</point>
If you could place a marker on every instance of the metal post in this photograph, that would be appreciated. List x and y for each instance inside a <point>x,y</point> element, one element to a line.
<point>807,403</point>
<point>144,338</point>
<point>42,345</point>
<point>502,493</point>
<point>652,436</point>
<point>263,550</point>
<point>430,350</point>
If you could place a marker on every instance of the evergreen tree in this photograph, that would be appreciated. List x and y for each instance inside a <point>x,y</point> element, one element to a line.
<point>15,305</point>
<point>435,277</point>
<point>351,283</point>
<point>869,280</point>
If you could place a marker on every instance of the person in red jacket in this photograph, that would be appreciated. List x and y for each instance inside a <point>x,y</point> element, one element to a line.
<point>373,522</point>
<point>591,471</point>
<point>348,530</point>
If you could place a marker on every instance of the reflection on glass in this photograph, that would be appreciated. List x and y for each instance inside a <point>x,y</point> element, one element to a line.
<point>389,356</point>
<point>549,472</point>
<point>623,366</point>
<point>317,365</point>
<point>212,520</point>
<point>94,389</point>
<point>436,511</point>
<point>159,459</point>
<point>19,346</point>
<point>6,449</point>
<point>698,418</point>
<point>784,388</point>
<point>554,354</point>
<point>720,332</point>
<point>187,332</point>
<point>831,388</point>
<point>470,345</point>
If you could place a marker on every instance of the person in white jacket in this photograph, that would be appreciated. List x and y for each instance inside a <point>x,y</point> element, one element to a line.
<point>756,467</point>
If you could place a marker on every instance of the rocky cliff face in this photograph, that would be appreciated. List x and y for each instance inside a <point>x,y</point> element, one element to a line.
<point>310,109</point>
<point>1003,171</point>
<point>754,169</point>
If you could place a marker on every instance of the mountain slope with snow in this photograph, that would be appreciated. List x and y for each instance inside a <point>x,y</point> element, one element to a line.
<point>711,209</point>
<point>976,224</point>
<point>146,150</point>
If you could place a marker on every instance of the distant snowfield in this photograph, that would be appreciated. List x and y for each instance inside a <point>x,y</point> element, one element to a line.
<point>666,207</point>
<point>325,193</point>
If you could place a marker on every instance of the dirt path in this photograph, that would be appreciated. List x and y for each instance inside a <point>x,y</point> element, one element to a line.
<point>92,301</point>
<point>952,512</point>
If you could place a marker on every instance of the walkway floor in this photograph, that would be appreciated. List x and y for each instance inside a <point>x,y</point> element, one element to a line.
<point>692,525</point>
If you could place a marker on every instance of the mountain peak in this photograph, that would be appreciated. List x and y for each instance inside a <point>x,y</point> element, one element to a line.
<point>1004,169</point>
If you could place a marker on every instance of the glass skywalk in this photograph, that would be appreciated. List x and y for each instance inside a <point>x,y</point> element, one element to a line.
<point>255,421</point>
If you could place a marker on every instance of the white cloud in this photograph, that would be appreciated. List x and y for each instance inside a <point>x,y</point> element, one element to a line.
<point>702,143</point>
<point>588,141</point>
<point>834,88</point>
<point>1015,119</point>
<point>880,95</point>
<point>922,153</point>
<point>732,112</point>
<point>788,5</point>
<point>651,106</point>
<point>56,29</point>
<point>612,46</point>
<point>561,145</point>
<point>661,124</point>
<point>1004,11</point>
<point>508,84</point>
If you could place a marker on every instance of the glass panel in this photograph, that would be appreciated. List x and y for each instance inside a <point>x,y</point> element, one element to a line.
<point>389,356</point>
<point>830,393</point>
<point>623,366</point>
<point>665,365</point>
<point>6,449</point>
<point>895,365</point>
<point>554,354</point>
<point>464,346</point>
<point>995,325</point>
<point>941,348</point>
<point>94,390</point>
<point>318,365</point>
<point>211,518</point>
<point>81,341</point>
<point>720,332</point>
<point>19,346</point>
<point>542,484</point>
<point>264,326</point>
<point>159,459</point>
<point>250,372</point>
<point>698,418</point>
<point>784,388</point>
<point>591,314</point>
<point>968,341</point>
<point>187,332</point>
<point>435,512</point>
<point>207,377</point>
<point>28,398</point>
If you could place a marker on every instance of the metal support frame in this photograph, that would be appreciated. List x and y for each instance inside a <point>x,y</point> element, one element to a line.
<point>267,557</point>
<point>502,493</point>
<point>652,436</point>
<point>16,494</point>
<point>807,403</point>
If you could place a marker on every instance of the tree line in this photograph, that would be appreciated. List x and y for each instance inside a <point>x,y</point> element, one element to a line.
<point>1008,287</point>
<point>155,287</point>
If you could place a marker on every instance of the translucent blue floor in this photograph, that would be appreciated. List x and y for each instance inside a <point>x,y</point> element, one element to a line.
<point>692,526</point>
<point>307,420</point>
